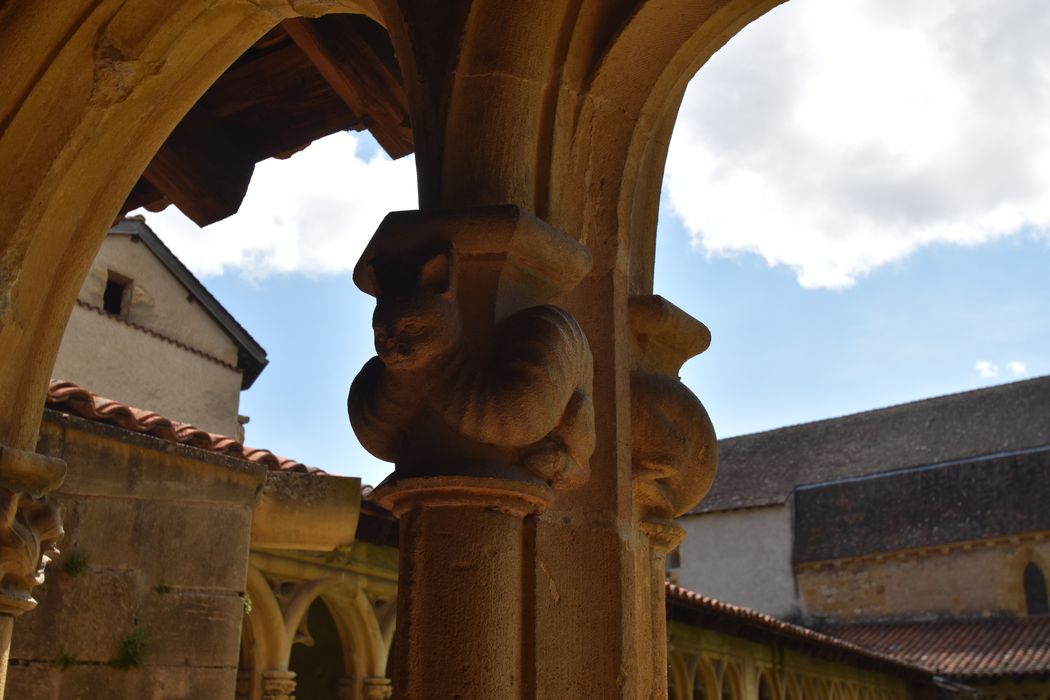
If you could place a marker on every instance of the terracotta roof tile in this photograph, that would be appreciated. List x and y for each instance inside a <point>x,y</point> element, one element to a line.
<point>73,399</point>
<point>965,649</point>
<point>692,607</point>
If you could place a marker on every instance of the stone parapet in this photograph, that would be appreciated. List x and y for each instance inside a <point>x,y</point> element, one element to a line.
<point>152,570</point>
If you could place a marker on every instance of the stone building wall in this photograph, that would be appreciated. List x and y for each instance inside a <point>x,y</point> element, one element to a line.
<point>131,366</point>
<point>158,300</point>
<point>966,578</point>
<point>146,598</point>
<point>163,351</point>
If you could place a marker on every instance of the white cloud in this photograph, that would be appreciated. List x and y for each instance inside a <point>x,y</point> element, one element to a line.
<point>837,136</point>
<point>1017,368</point>
<point>312,213</point>
<point>986,369</point>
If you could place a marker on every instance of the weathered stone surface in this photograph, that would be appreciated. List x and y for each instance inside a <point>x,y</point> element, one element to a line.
<point>314,512</point>
<point>212,622</point>
<point>85,615</point>
<point>142,466</point>
<point>98,682</point>
<point>206,545</point>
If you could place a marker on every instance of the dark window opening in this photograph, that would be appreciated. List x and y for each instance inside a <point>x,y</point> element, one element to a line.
<point>1035,590</point>
<point>113,299</point>
<point>674,559</point>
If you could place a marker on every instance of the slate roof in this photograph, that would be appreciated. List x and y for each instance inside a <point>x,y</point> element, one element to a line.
<point>762,468</point>
<point>699,610</point>
<point>972,499</point>
<point>963,649</point>
<point>72,399</point>
<point>251,357</point>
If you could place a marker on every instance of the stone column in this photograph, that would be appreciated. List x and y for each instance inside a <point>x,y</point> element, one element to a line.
<point>30,525</point>
<point>481,396</point>
<point>278,685</point>
<point>673,447</point>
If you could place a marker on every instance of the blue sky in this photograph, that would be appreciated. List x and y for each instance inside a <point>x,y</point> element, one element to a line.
<point>857,229</point>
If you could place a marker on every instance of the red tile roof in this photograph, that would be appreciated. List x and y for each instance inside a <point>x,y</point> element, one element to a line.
<point>73,399</point>
<point>964,649</point>
<point>697,609</point>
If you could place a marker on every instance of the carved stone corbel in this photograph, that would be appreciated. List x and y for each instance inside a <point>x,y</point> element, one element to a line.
<point>674,450</point>
<point>30,525</point>
<point>475,374</point>
<point>480,394</point>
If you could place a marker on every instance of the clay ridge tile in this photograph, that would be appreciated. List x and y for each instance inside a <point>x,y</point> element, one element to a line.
<point>73,399</point>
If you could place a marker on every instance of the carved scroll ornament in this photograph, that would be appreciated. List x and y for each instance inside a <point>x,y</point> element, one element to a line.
<point>674,448</point>
<point>473,375</point>
<point>30,525</point>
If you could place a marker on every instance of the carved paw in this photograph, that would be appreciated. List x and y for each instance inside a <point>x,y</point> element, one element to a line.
<point>549,460</point>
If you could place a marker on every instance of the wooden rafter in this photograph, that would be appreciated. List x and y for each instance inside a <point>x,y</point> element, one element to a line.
<point>201,169</point>
<point>358,75</point>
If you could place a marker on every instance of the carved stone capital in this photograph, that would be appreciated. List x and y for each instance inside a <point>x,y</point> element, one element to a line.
<point>378,689</point>
<point>278,685</point>
<point>674,448</point>
<point>477,373</point>
<point>508,496</point>
<point>30,524</point>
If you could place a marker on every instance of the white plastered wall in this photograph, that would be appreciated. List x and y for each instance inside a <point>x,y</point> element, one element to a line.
<point>741,557</point>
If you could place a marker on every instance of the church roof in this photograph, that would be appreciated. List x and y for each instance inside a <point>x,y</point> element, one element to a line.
<point>964,649</point>
<point>251,357</point>
<point>963,500</point>
<point>763,468</point>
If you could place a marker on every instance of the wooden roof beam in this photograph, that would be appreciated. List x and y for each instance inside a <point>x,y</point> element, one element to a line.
<point>361,79</point>
<point>143,194</point>
<point>201,170</point>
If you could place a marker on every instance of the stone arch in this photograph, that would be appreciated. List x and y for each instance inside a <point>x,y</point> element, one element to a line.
<point>732,682</point>
<point>364,646</point>
<point>264,623</point>
<point>679,685</point>
<point>648,93</point>
<point>766,686</point>
<point>318,659</point>
<point>117,78</point>
<point>706,678</point>
<point>78,88</point>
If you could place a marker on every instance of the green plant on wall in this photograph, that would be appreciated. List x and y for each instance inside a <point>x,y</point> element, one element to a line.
<point>76,563</point>
<point>65,659</point>
<point>162,588</point>
<point>132,651</point>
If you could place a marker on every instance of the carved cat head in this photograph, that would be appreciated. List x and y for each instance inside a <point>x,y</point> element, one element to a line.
<point>416,320</point>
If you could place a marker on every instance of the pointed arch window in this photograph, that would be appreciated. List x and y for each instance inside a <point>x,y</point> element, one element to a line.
<point>1035,590</point>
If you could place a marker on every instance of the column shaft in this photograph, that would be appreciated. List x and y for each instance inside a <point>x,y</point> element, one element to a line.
<point>462,633</point>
